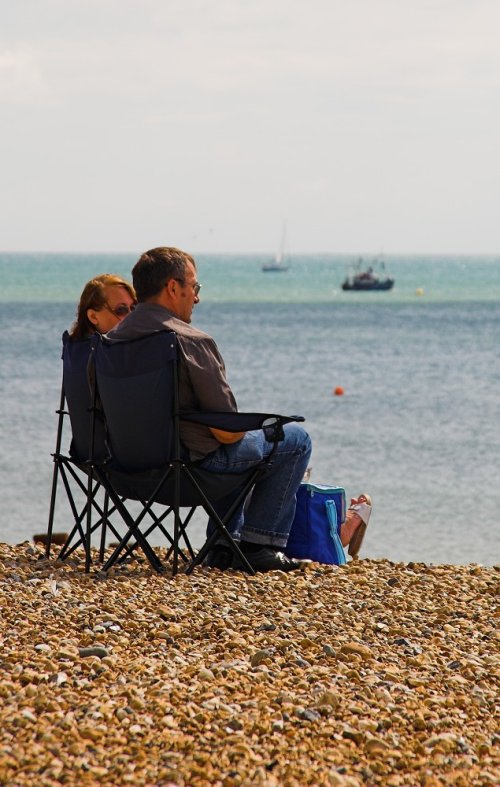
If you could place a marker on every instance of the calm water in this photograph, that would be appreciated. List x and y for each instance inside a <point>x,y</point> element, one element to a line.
<point>418,426</point>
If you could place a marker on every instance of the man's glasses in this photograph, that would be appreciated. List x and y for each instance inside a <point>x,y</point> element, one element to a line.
<point>196,285</point>
<point>121,310</point>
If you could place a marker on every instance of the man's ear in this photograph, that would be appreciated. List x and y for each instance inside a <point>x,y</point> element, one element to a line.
<point>171,286</point>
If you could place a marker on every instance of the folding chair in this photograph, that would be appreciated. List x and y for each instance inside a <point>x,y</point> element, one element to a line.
<point>136,384</point>
<point>73,468</point>
<point>84,493</point>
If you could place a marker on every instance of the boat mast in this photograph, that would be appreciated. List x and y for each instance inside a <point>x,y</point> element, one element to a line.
<point>281,253</point>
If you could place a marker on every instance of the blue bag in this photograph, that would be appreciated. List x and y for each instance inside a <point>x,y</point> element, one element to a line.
<point>315,532</point>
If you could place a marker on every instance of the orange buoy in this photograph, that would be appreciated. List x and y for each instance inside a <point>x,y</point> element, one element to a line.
<point>338,391</point>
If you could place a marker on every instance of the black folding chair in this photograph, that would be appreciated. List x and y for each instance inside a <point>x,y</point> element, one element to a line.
<point>136,387</point>
<point>88,501</point>
<point>84,495</point>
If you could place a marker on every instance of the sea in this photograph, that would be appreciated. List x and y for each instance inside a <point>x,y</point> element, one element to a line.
<point>417,425</point>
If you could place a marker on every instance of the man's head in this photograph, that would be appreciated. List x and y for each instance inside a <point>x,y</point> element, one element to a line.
<point>167,276</point>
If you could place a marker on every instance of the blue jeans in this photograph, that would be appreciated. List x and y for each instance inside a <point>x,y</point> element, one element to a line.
<point>268,515</point>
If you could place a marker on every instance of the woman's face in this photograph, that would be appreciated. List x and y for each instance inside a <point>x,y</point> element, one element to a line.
<point>118,304</point>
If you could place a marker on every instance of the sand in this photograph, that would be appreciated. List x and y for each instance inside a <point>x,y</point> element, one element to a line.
<point>373,673</point>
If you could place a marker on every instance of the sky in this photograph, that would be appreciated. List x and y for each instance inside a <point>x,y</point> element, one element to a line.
<point>365,125</point>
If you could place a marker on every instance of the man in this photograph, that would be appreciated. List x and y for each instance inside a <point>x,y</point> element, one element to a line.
<point>167,291</point>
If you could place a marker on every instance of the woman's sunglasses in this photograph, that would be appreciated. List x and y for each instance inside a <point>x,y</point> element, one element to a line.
<point>121,310</point>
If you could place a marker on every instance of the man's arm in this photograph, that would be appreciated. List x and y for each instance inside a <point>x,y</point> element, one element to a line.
<point>207,373</point>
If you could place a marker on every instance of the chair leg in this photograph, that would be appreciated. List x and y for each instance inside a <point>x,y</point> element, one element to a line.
<point>78,518</point>
<point>88,531</point>
<point>104,528</point>
<point>53,495</point>
<point>132,530</point>
<point>60,421</point>
<point>220,524</point>
<point>104,520</point>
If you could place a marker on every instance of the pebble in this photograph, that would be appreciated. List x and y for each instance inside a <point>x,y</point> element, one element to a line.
<point>93,651</point>
<point>376,673</point>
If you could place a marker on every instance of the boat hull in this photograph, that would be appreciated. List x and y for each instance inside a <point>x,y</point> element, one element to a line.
<point>270,268</point>
<point>360,286</point>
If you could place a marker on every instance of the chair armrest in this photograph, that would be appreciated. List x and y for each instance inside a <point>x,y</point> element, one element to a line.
<point>271,423</point>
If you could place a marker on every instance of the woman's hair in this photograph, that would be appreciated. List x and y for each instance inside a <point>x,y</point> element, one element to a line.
<point>94,297</point>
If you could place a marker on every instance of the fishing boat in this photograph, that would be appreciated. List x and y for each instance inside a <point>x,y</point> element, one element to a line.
<point>281,261</point>
<point>366,279</point>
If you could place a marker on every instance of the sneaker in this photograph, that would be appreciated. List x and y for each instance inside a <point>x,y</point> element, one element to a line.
<point>220,557</point>
<point>268,559</point>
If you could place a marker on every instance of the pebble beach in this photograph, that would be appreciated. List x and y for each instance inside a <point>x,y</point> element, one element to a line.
<point>373,673</point>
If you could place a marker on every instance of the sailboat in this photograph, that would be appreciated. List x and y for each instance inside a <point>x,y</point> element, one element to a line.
<point>280,262</point>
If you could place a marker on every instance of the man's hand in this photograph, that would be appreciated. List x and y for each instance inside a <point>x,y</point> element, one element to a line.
<point>226,437</point>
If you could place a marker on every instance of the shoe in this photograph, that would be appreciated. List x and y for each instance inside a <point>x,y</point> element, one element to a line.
<point>220,557</point>
<point>353,532</point>
<point>356,541</point>
<point>268,559</point>
<point>57,538</point>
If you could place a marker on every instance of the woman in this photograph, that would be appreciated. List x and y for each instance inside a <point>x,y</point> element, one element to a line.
<point>104,302</point>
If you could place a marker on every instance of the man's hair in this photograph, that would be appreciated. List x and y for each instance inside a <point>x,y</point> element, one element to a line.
<point>156,267</point>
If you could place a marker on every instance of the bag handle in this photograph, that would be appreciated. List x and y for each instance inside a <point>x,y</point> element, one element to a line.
<point>331,512</point>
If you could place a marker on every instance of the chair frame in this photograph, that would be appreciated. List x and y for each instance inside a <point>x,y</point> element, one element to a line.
<point>66,468</point>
